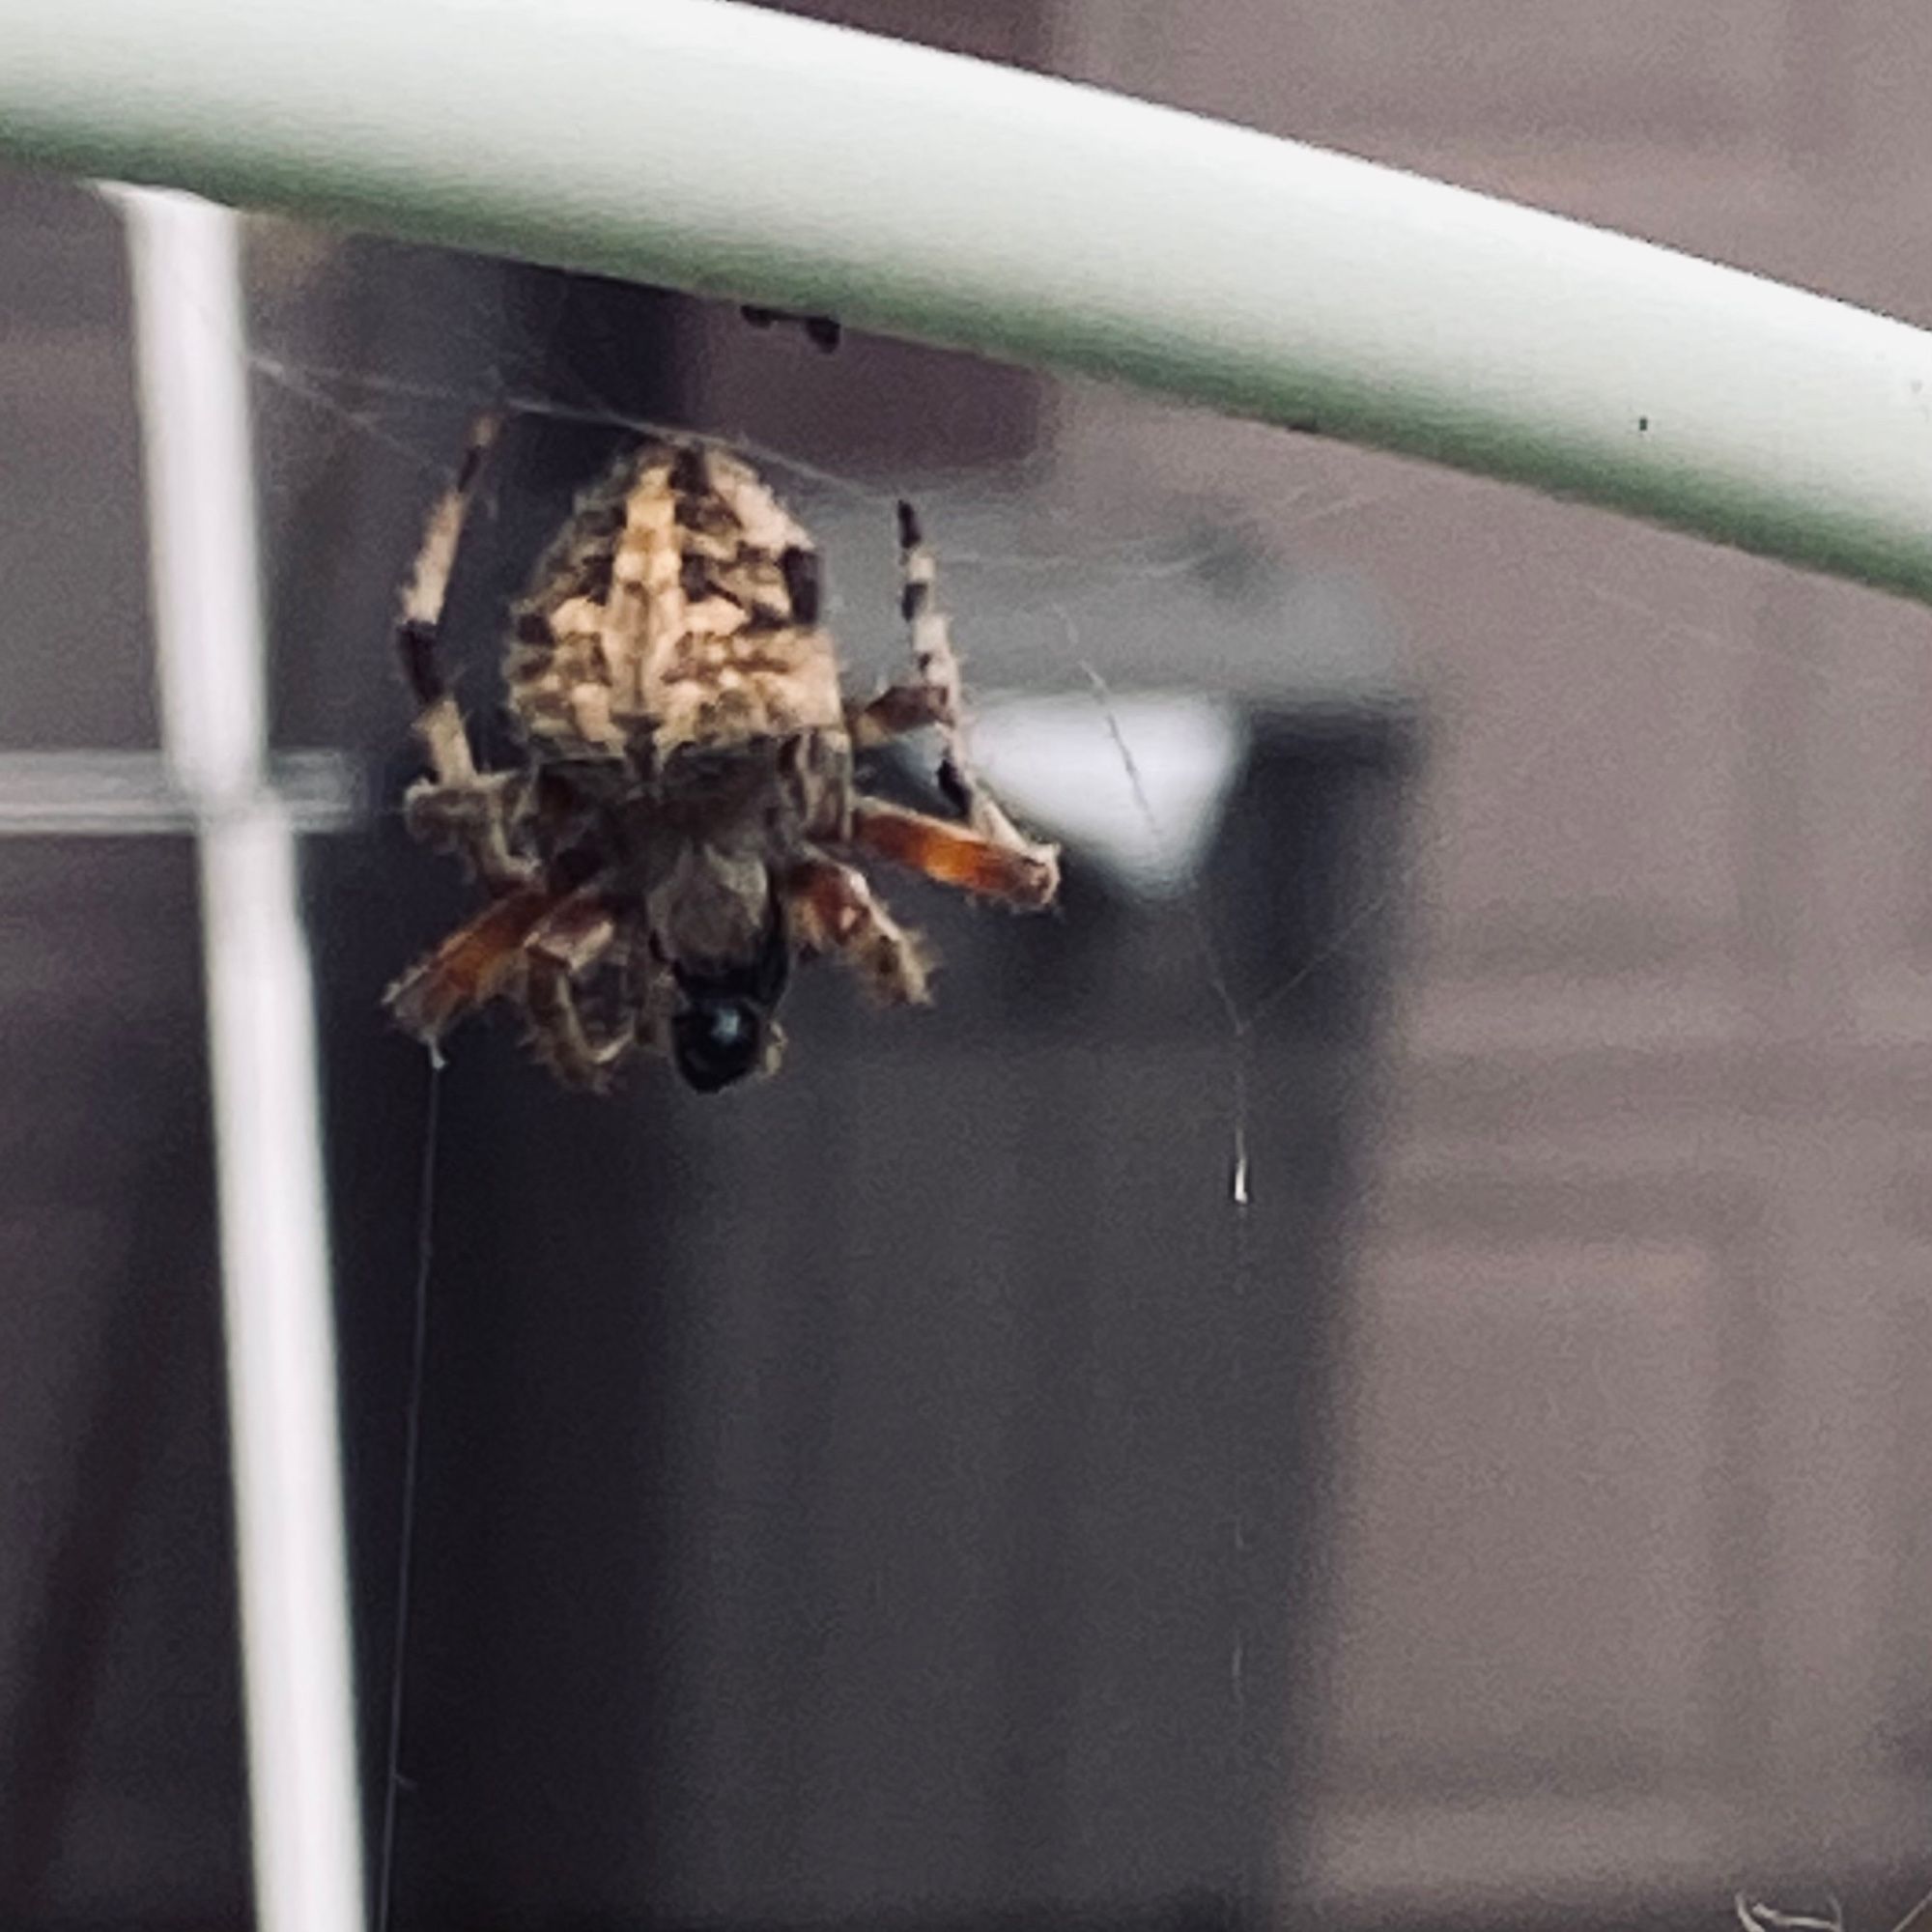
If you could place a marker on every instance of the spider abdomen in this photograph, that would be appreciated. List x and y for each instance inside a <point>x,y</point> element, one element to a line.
<point>678,606</point>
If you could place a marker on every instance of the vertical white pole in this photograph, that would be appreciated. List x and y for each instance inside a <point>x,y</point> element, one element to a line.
<point>189,322</point>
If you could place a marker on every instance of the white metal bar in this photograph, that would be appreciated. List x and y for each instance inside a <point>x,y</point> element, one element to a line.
<point>123,794</point>
<point>274,1248</point>
<point>730,150</point>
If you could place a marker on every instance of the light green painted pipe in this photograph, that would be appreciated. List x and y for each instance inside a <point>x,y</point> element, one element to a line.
<point>709,147</point>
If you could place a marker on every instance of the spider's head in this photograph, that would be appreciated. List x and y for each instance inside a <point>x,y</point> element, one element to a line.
<point>723,1028</point>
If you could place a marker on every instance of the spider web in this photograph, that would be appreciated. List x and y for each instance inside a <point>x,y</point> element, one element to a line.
<point>567,1346</point>
<point>1070,583</point>
<point>1040,598</point>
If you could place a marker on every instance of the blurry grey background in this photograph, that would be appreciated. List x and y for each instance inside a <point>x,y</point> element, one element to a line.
<point>828,1500</point>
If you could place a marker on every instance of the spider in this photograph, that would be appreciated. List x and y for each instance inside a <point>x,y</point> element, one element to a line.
<point>684,822</point>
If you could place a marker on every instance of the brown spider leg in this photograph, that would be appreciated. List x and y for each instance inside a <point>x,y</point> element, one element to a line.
<point>566,943</point>
<point>1017,871</point>
<point>830,908</point>
<point>476,963</point>
<point>458,807</point>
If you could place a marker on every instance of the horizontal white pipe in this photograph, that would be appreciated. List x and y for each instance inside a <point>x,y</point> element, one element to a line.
<point>131,794</point>
<point>733,151</point>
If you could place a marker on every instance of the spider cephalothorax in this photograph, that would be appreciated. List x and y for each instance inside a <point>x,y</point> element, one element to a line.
<point>685,822</point>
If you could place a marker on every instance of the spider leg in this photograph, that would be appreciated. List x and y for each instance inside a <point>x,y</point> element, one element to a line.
<point>935,697</point>
<point>458,807</point>
<point>472,967</point>
<point>565,945</point>
<point>1007,867</point>
<point>1017,869</point>
<point>830,908</point>
<point>521,939</point>
<point>932,651</point>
